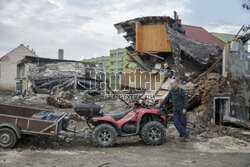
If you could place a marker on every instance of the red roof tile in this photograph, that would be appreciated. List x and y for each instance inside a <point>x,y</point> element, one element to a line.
<point>201,35</point>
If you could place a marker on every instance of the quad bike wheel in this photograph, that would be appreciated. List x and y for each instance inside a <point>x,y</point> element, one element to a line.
<point>105,135</point>
<point>8,138</point>
<point>153,133</point>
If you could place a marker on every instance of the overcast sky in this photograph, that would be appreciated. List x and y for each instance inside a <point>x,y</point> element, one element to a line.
<point>84,28</point>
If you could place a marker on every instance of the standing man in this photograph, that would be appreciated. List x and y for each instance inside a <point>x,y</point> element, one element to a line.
<point>180,104</point>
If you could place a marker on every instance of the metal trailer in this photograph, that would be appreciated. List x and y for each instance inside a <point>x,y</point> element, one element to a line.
<point>15,121</point>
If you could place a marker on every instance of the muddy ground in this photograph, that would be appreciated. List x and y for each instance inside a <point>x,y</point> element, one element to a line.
<point>127,152</point>
<point>216,150</point>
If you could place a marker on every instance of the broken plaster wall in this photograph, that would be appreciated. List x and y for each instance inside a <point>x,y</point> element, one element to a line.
<point>236,67</point>
<point>237,59</point>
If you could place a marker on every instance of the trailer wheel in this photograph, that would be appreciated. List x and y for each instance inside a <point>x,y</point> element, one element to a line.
<point>8,138</point>
<point>153,133</point>
<point>105,135</point>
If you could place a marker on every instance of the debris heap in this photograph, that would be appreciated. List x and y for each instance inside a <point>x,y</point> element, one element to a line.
<point>214,80</point>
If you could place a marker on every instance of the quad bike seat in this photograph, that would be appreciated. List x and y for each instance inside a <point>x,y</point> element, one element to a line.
<point>118,116</point>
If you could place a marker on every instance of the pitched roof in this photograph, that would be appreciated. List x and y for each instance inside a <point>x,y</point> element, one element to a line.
<point>224,37</point>
<point>21,45</point>
<point>201,35</point>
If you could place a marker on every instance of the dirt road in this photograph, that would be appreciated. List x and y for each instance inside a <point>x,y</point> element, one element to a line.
<point>127,152</point>
<point>130,151</point>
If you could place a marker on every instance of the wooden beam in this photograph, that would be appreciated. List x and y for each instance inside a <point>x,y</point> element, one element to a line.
<point>154,55</point>
<point>209,70</point>
<point>137,61</point>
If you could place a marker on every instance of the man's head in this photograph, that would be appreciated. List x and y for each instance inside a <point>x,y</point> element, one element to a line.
<point>174,84</point>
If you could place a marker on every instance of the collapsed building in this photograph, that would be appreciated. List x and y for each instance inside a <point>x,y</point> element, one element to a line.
<point>161,39</point>
<point>210,73</point>
<point>44,75</point>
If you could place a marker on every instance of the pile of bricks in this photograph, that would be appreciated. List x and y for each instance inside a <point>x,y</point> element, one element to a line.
<point>200,97</point>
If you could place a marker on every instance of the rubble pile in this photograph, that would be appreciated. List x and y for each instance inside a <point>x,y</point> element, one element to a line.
<point>223,144</point>
<point>60,99</point>
<point>58,102</point>
<point>67,99</point>
<point>200,97</point>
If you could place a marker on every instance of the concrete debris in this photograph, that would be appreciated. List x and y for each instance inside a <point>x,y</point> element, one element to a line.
<point>17,97</point>
<point>59,100</point>
<point>172,131</point>
<point>37,99</point>
<point>157,68</point>
<point>223,144</point>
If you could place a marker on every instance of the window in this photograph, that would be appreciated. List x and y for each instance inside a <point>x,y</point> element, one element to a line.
<point>112,55</point>
<point>22,71</point>
<point>112,63</point>
<point>107,67</point>
<point>120,62</point>
<point>120,54</point>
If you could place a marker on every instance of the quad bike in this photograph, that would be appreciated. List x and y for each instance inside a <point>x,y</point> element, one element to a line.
<point>147,122</point>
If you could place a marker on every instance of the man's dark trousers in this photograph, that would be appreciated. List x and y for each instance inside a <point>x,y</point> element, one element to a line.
<point>180,122</point>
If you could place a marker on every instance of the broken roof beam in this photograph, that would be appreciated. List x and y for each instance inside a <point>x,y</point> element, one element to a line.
<point>139,62</point>
<point>128,38</point>
<point>209,70</point>
<point>130,49</point>
<point>154,55</point>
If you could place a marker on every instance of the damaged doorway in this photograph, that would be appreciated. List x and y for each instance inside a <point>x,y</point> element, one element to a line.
<point>221,108</point>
